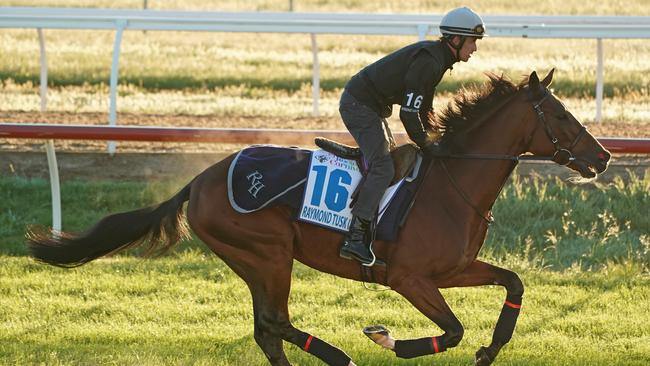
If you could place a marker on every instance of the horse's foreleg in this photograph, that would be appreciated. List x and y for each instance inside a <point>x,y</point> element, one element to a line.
<point>424,294</point>
<point>479,274</point>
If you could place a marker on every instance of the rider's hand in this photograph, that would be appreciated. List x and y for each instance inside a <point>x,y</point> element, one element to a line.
<point>434,149</point>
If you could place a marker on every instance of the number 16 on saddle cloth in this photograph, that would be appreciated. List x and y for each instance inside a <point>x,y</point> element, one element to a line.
<point>328,193</point>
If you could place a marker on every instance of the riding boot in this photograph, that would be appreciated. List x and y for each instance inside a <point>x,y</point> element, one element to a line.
<point>354,244</point>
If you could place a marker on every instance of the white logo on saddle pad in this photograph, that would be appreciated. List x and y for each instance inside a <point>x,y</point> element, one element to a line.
<point>256,183</point>
<point>328,192</point>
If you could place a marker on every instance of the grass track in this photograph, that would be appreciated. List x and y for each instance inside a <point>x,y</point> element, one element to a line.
<point>587,300</point>
<point>191,309</point>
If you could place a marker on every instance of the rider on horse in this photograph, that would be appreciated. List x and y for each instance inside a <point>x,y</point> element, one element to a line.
<point>407,77</point>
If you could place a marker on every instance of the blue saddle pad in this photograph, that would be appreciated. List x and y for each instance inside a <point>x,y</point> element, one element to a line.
<point>266,175</point>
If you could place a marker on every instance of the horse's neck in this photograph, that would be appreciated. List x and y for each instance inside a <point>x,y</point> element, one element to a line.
<point>503,133</point>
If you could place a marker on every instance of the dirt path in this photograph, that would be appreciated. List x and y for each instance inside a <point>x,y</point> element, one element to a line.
<point>163,166</point>
<point>611,129</point>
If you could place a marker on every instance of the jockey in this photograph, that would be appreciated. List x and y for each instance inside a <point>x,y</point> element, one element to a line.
<point>407,77</point>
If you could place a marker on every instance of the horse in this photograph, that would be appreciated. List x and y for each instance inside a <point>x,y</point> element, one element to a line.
<point>486,129</point>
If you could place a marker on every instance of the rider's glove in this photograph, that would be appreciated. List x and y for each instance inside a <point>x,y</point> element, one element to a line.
<point>434,149</point>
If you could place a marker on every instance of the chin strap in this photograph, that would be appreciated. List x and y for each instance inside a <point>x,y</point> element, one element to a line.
<point>456,48</point>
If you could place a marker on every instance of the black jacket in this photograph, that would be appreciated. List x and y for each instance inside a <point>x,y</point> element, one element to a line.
<point>408,77</point>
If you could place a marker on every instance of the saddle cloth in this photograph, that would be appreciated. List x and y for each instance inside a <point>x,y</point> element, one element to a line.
<point>260,175</point>
<point>263,176</point>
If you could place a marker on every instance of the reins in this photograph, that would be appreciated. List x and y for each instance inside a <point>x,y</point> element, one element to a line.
<point>515,158</point>
<point>489,218</point>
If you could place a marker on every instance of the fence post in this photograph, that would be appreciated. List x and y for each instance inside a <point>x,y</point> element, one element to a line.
<point>316,75</point>
<point>112,115</point>
<point>599,81</point>
<point>55,187</point>
<point>422,31</point>
<point>43,86</point>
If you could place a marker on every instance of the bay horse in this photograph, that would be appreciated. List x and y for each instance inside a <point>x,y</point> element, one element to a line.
<point>437,247</point>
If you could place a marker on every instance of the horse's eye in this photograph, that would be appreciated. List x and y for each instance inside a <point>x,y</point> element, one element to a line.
<point>562,116</point>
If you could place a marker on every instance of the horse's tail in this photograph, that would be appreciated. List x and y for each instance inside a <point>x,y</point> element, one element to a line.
<point>159,227</point>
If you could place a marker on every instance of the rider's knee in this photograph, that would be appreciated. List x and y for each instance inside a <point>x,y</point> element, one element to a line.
<point>383,166</point>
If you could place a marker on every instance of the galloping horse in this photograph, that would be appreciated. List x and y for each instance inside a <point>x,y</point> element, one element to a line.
<point>436,248</point>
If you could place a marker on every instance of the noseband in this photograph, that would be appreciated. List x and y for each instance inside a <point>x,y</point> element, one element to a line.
<point>562,156</point>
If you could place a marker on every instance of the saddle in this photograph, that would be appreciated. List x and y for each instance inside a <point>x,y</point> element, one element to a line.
<point>404,156</point>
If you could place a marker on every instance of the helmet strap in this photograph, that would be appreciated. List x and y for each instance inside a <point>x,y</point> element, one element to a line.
<point>456,47</point>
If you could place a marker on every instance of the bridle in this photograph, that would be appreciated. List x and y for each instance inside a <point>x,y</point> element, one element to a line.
<point>562,156</point>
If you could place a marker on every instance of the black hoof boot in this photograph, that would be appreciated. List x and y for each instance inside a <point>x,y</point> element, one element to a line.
<point>482,357</point>
<point>354,244</point>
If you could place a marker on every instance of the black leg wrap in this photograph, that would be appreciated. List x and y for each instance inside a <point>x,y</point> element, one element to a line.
<point>507,319</point>
<point>418,347</point>
<point>323,350</point>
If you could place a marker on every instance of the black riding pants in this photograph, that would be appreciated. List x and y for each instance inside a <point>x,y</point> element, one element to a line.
<point>373,136</point>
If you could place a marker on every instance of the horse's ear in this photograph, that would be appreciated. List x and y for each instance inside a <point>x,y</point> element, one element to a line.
<point>549,78</point>
<point>534,86</point>
<point>533,81</point>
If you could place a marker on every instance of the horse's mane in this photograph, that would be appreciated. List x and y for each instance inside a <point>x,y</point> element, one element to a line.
<point>469,105</point>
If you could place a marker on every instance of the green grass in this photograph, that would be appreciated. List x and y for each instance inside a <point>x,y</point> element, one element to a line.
<point>582,251</point>
<point>553,224</point>
<point>192,310</point>
<point>28,202</point>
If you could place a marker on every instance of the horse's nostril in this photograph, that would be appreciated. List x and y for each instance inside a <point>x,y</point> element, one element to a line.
<point>604,156</point>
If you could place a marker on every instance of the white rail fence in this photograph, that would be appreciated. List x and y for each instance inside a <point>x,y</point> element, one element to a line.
<point>593,27</point>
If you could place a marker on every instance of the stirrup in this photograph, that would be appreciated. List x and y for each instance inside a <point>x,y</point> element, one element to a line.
<point>374,257</point>
<point>369,264</point>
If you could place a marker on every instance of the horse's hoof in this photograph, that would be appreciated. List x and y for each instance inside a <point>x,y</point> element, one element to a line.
<point>380,335</point>
<point>482,357</point>
<point>372,330</point>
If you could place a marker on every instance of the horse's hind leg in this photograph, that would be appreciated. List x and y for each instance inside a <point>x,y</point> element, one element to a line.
<point>259,248</point>
<point>270,292</point>
<point>269,280</point>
